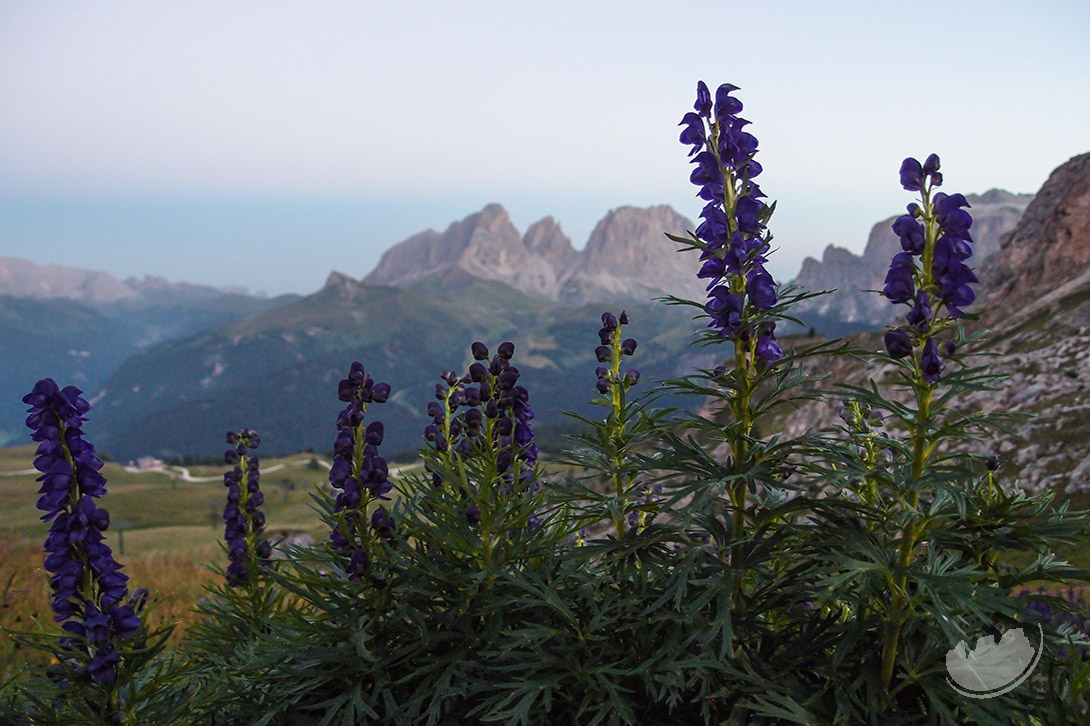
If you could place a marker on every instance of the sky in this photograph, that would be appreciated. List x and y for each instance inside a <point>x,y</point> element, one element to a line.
<point>264,144</point>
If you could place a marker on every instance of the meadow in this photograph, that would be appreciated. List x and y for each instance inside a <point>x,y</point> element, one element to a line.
<point>167,533</point>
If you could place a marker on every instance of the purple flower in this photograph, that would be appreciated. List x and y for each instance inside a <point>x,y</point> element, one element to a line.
<point>611,376</point>
<point>693,133</point>
<point>920,315</point>
<point>703,105</point>
<point>898,344</point>
<point>248,548</point>
<point>358,471</point>
<point>911,175</point>
<point>89,591</point>
<point>899,279</point>
<point>733,233</point>
<point>725,309</point>
<point>767,349</point>
<point>761,289</point>
<point>931,364</point>
<point>911,233</point>
<point>943,218</point>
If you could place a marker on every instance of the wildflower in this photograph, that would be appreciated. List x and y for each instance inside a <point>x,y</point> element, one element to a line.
<point>612,351</point>
<point>899,279</point>
<point>898,344</point>
<point>89,591</point>
<point>248,549</point>
<point>931,362</point>
<point>936,230</point>
<point>732,235</point>
<point>487,410</point>
<point>358,471</point>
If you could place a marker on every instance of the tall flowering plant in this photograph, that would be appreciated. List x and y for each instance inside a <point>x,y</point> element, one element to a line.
<point>743,307</point>
<point>610,445</point>
<point>248,547</point>
<point>480,444</point>
<point>235,610</point>
<point>360,475</point>
<point>101,658</point>
<point>916,538</point>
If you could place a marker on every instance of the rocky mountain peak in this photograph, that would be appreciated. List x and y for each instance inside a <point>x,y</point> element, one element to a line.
<point>626,258</point>
<point>629,257</point>
<point>1051,245</point>
<point>545,239</point>
<point>338,280</point>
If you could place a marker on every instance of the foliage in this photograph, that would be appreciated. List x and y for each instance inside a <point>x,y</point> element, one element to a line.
<point>685,567</point>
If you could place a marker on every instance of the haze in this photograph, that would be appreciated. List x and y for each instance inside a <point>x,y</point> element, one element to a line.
<point>264,144</point>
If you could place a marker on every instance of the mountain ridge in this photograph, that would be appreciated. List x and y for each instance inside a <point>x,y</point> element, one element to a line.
<point>626,258</point>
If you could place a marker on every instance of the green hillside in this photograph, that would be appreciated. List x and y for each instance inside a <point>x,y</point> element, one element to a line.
<point>278,372</point>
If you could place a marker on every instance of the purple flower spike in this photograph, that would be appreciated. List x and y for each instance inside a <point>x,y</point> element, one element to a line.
<point>244,522</point>
<point>89,591</point>
<point>936,229</point>
<point>363,475</point>
<point>732,236</point>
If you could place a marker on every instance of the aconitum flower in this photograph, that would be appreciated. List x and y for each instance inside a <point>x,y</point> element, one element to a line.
<point>486,411</point>
<point>732,236</point>
<point>248,549</point>
<point>898,344</point>
<point>931,274</point>
<point>615,348</point>
<point>358,471</point>
<point>89,591</point>
<point>900,286</point>
<point>931,362</point>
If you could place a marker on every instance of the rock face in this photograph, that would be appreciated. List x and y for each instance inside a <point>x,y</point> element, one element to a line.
<point>1050,246</point>
<point>626,258</point>
<point>995,213</point>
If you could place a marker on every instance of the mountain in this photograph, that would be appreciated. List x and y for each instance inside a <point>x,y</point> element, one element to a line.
<point>626,259</point>
<point>21,279</point>
<point>278,372</point>
<point>1034,298</point>
<point>851,307</point>
<point>78,326</point>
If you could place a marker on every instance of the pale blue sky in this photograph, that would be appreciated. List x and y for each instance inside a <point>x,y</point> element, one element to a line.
<point>266,143</point>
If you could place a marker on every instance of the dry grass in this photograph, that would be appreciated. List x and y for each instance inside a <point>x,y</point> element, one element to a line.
<point>175,583</point>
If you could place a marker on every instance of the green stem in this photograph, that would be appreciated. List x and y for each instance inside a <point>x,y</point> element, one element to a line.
<point>616,425</point>
<point>743,362</point>
<point>911,532</point>
<point>921,448</point>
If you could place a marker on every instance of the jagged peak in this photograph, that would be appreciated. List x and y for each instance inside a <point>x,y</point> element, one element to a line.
<point>338,280</point>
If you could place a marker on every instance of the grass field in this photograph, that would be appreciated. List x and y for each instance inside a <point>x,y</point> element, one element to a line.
<point>165,531</point>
